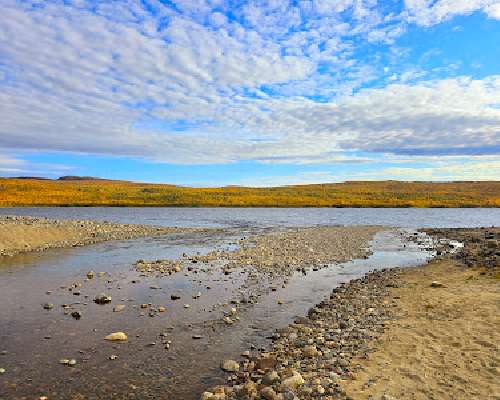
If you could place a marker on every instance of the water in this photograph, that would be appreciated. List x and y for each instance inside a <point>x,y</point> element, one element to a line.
<point>273,217</point>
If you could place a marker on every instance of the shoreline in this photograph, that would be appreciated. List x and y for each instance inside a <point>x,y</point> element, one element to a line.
<point>24,234</point>
<point>344,348</point>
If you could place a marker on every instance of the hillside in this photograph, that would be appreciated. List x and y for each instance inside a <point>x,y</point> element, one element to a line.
<point>92,192</point>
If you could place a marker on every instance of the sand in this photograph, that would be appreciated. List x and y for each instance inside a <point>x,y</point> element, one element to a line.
<point>443,343</point>
<point>24,234</point>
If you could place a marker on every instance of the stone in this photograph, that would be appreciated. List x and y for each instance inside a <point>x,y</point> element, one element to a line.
<point>230,366</point>
<point>265,363</point>
<point>48,306</point>
<point>117,337</point>
<point>293,381</point>
<point>207,396</point>
<point>310,351</point>
<point>90,274</point>
<point>436,284</point>
<point>162,309</point>
<point>175,297</point>
<point>119,308</point>
<point>102,299</point>
<point>113,357</point>
<point>76,314</point>
<point>268,393</point>
<point>2,371</point>
<point>269,378</point>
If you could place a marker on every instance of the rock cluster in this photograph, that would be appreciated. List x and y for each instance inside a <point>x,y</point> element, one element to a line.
<point>308,358</point>
<point>163,267</point>
<point>481,246</point>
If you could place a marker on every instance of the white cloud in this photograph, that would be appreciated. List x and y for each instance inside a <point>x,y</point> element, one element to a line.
<point>445,171</point>
<point>14,166</point>
<point>430,12</point>
<point>119,80</point>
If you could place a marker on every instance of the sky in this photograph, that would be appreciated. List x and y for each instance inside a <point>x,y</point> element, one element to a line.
<point>257,93</point>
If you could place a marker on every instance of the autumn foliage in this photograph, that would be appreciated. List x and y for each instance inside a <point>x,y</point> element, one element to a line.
<point>92,192</point>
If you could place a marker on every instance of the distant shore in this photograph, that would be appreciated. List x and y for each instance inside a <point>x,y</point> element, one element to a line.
<point>26,234</point>
<point>360,194</point>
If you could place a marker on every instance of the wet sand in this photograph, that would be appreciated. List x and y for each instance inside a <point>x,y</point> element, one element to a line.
<point>25,234</point>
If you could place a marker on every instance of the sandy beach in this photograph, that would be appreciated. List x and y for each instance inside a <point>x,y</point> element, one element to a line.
<point>441,342</point>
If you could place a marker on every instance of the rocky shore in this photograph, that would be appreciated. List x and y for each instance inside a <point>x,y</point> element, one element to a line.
<point>325,354</point>
<point>480,245</point>
<point>19,234</point>
<point>309,358</point>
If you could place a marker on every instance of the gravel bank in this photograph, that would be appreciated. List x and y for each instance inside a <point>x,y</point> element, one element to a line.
<point>24,234</point>
<point>279,253</point>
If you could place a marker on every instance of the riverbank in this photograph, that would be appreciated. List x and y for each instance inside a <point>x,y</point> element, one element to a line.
<point>421,333</point>
<point>25,234</point>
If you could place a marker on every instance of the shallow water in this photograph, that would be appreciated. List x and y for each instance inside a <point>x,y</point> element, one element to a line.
<point>36,339</point>
<point>273,217</point>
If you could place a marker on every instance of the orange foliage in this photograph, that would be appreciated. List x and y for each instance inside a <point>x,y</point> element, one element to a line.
<point>33,192</point>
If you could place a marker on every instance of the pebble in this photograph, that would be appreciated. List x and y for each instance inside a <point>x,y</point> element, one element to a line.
<point>2,371</point>
<point>117,336</point>
<point>48,306</point>
<point>230,366</point>
<point>102,299</point>
<point>119,308</point>
<point>76,314</point>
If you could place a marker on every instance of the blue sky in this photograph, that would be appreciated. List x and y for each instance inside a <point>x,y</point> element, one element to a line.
<point>214,92</point>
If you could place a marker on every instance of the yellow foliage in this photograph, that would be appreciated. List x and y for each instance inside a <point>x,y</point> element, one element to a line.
<point>34,192</point>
